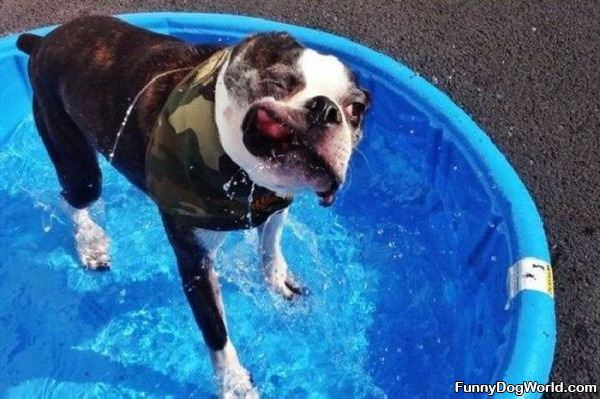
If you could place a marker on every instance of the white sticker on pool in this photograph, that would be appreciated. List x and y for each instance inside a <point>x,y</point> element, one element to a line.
<point>529,274</point>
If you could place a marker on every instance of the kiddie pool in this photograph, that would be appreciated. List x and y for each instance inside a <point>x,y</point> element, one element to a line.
<point>408,271</point>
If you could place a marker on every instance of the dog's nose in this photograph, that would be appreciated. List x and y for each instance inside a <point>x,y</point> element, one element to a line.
<point>322,111</point>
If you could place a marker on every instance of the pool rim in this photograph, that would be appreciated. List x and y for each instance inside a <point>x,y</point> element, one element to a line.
<point>535,321</point>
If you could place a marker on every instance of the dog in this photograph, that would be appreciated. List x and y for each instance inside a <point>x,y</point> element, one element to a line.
<point>221,138</point>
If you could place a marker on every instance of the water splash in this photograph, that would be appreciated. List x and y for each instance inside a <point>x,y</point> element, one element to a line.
<point>227,188</point>
<point>405,320</point>
<point>250,199</point>
<point>132,105</point>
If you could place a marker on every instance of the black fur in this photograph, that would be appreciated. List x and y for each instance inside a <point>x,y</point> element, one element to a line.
<point>84,76</point>
<point>195,269</point>
<point>27,42</point>
<point>272,61</point>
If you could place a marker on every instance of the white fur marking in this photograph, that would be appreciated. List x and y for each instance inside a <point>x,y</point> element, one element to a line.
<point>229,117</point>
<point>275,266</point>
<point>233,379</point>
<point>91,241</point>
<point>324,75</point>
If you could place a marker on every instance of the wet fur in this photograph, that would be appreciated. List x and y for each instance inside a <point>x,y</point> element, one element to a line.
<point>85,75</point>
<point>88,71</point>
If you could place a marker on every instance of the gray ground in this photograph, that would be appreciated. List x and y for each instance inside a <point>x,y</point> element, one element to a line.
<point>527,71</point>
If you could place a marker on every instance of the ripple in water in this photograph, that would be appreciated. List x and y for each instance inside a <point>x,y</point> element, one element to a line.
<point>130,331</point>
<point>384,318</point>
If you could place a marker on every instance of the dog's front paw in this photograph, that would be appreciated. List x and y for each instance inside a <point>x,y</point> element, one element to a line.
<point>92,242</point>
<point>236,383</point>
<point>281,281</point>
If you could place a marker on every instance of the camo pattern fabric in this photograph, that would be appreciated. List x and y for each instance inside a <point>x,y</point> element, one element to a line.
<point>188,174</point>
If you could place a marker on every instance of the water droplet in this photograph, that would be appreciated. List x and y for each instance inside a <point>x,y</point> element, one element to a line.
<point>250,199</point>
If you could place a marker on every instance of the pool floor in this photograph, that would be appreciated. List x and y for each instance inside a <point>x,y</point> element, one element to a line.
<point>383,317</point>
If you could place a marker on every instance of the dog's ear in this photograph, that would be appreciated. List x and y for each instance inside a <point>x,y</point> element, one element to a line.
<point>263,49</point>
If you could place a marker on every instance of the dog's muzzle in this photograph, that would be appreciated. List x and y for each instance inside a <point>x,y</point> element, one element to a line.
<point>291,137</point>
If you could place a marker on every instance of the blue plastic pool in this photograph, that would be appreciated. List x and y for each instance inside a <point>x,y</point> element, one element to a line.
<point>407,271</point>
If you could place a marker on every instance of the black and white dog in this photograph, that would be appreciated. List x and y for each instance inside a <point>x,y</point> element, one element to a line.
<point>287,118</point>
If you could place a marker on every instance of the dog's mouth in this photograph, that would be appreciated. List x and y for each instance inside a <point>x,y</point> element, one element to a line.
<point>271,129</point>
<point>282,137</point>
<point>328,197</point>
<point>273,126</point>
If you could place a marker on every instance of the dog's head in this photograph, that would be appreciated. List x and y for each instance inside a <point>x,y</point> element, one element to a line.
<point>288,115</point>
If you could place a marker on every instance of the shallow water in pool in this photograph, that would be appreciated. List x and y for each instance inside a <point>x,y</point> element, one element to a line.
<point>387,315</point>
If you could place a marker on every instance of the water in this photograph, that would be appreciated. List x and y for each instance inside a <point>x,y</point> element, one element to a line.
<point>393,310</point>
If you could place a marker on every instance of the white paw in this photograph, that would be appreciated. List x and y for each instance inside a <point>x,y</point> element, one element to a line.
<point>280,280</point>
<point>91,241</point>
<point>235,383</point>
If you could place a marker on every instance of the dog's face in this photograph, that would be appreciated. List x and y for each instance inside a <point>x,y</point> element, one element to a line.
<point>288,115</point>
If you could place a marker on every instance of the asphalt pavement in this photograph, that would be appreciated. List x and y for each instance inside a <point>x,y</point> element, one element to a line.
<point>527,71</point>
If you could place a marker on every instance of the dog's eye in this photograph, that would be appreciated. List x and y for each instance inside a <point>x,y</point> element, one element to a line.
<point>270,84</point>
<point>355,112</point>
<point>280,82</point>
<point>278,85</point>
<point>275,88</point>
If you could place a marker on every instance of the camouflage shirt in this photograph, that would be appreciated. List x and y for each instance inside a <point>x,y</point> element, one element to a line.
<point>188,174</point>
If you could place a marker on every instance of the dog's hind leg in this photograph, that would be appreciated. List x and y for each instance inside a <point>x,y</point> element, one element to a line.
<point>275,267</point>
<point>195,251</point>
<point>79,175</point>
